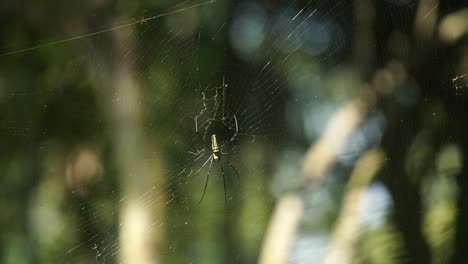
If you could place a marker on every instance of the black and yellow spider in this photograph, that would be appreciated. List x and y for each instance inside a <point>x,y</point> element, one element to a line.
<point>216,154</point>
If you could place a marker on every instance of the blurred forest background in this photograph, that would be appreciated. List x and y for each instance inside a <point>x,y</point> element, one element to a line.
<point>345,121</point>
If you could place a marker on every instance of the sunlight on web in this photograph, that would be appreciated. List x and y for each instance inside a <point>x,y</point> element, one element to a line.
<point>460,83</point>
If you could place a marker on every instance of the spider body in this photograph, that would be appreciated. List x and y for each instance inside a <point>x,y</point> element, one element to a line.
<point>142,20</point>
<point>215,148</point>
<point>215,156</point>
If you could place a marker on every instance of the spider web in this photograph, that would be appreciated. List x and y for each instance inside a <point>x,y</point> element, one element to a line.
<point>170,59</point>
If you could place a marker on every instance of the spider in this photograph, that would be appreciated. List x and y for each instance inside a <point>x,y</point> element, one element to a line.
<point>142,20</point>
<point>216,154</point>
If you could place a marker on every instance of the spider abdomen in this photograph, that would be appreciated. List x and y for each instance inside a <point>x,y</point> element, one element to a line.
<point>214,144</point>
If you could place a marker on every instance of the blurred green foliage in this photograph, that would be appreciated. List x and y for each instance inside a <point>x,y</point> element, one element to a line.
<point>62,189</point>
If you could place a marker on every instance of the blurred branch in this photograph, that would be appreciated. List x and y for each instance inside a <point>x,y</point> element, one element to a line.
<point>348,224</point>
<point>140,238</point>
<point>317,161</point>
<point>322,155</point>
<point>324,152</point>
<point>282,230</point>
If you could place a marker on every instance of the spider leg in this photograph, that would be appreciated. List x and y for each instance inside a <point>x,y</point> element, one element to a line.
<point>207,178</point>
<point>229,154</point>
<point>202,155</point>
<point>224,182</point>
<point>237,127</point>
<point>204,164</point>
<point>234,169</point>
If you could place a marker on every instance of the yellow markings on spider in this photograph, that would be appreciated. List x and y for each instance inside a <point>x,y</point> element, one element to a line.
<point>214,147</point>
